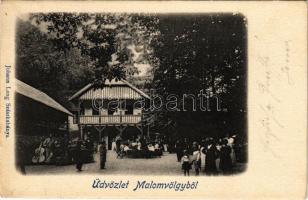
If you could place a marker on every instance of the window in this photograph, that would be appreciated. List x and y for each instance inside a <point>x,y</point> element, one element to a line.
<point>81,109</point>
<point>95,111</point>
<point>129,110</point>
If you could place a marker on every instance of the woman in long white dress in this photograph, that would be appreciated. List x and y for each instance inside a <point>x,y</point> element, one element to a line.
<point>114,145</point>
<point>231,144</point>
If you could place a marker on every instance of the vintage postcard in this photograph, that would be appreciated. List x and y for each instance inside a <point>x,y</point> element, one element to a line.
<point>165,99</point>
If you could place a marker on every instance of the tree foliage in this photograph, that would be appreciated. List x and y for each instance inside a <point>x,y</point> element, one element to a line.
<point>203,52</point>
<point>107,39</point>
<point>188,53</point>
<point>41,65</point>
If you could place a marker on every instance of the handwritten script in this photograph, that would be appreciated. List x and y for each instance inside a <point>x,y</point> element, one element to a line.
<point>271,101</point>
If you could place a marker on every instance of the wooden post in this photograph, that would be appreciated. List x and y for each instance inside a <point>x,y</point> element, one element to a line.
<point>81,132</point>
<point>121,130</point>
<point>100,129</point>
<point>100,135</point>
<point>78,116</point>
<point>141,129</point>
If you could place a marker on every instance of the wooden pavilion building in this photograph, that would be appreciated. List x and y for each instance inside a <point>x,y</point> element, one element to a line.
<point>37,116</point>
<point>115,109</point>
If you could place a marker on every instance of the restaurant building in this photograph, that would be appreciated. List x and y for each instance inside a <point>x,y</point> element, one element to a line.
<point>116,108</point>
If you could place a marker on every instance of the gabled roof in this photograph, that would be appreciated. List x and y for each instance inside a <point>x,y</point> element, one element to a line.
<point>113,82</point>
<point>39,96</point>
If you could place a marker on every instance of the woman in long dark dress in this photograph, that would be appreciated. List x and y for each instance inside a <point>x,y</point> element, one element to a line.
<point>179,150</point>
<point>210,159</point>
<point>225,164</point>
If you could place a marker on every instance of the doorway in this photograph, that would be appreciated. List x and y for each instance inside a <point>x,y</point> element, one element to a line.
<point>109,136</point>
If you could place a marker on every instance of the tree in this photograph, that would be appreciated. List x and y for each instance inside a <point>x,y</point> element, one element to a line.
<point>42,66</point>
<point>107,39</point>
<point>205,52</point>
<point>59,53</point>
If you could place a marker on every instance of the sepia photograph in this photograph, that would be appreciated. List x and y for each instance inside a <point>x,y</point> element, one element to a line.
<point>140,94</point>
<point>153,99</point>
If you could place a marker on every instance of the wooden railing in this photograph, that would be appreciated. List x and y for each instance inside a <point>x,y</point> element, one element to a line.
<point>110,119</point>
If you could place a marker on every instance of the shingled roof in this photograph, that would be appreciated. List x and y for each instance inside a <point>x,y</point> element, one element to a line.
<point>123,89</point>
<point>39,96</point>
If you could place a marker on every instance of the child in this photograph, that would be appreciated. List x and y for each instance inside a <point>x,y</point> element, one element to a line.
<point>185,163</point>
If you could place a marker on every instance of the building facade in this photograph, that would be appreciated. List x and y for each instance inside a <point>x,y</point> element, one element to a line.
<point>115,109</point>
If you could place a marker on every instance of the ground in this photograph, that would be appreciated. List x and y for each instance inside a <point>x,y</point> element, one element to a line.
<point>165,165</point>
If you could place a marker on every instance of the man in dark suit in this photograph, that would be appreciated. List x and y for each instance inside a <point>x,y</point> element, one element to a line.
<point>103,154</point>
<point>78,157</point>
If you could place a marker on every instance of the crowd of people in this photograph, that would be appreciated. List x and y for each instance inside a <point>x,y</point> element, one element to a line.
<point>219,155</point>
<point>139,147</point>
<point>83,147</point>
